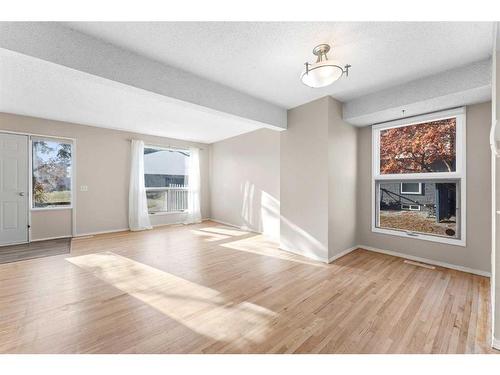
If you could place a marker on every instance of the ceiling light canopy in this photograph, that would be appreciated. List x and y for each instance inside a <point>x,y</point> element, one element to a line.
<point>323,72</point>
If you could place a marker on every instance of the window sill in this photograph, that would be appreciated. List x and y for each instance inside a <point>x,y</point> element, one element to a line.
<point>168,213</point>
<point>444,240</point>
<point>51,208</point>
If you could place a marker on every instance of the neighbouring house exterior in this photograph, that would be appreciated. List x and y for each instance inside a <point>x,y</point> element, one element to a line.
<point>166,179</point>
<point>165,168</point>
<point>162,180</point>
<point>437,199</point>
<point>426,195</point>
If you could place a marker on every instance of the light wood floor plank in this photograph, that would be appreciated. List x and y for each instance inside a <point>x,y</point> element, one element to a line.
<point>209,288</point>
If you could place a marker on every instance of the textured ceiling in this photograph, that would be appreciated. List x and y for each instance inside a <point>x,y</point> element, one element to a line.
<point>38,88</point>
<point>265,59</point>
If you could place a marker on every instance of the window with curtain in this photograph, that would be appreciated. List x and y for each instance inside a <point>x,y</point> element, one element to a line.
<point>166,179</point>
<point>51,173</point>
<point>419,177</point>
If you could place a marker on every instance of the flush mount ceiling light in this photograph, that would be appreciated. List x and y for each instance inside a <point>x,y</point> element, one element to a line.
<point>323,72</point>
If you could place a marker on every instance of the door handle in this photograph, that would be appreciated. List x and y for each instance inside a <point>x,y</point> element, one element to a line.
<point>21,194</point>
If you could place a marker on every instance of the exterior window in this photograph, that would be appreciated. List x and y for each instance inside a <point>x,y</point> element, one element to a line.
<point>431,213</point>
<point>410,207</point>
<point>428,147</point>
<point>51,173</point>
<point>411,188</point>
<point>419,177</point>
<point>166,179</point>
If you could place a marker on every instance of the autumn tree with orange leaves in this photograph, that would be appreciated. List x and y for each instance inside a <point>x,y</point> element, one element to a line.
<point>428,147</point>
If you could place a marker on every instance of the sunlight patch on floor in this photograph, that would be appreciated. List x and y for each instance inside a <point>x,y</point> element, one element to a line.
<point>201,309</point>
<point>209,237</point>
<point>262,246</point>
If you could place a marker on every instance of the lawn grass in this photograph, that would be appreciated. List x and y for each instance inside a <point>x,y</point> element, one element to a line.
<point>55,198</point>
<point>58,197</point>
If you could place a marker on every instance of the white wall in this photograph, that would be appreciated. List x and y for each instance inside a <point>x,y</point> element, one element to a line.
<point>342,185</point>
<point>495,253</point>
<point>318,181</point>
<point>304,181</point>
<point>51,224</point>
<point>245,181</point>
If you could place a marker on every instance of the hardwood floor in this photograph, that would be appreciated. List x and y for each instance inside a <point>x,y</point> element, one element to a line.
<point>32,250</point>
<point>213,289</point>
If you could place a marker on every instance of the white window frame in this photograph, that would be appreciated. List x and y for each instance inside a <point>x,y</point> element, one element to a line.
<point>158,213</point>
<point>458,176</point>
<point>410,207</point>
<point>69,141</point>
<point>419,192</point>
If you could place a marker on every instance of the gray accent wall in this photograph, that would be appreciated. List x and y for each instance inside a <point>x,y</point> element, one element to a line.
<point>476,255</point>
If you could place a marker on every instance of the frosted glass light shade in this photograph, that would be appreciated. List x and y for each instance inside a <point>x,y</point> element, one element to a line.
<point>321,74</point>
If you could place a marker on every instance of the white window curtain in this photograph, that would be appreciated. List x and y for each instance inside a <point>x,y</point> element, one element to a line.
<point>194,211</point>
<point>138,216</point>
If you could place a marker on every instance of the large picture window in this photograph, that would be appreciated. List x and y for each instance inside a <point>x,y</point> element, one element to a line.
<point>166,179</point>
<point>419,177</point>
<point>51,173</point>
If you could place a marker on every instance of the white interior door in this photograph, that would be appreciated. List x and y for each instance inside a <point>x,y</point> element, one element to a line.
<point>13,189</point>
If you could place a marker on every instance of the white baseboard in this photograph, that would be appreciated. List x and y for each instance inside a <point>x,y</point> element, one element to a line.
<point>121,230</point>
<point>342,253</point>
<point>241,227</point>
<point>309,256</point>
<point>495,343</point>
<point>50,238</point>
<point>174,223</point>
<point>100,232</point>
<point>426,260</point>
<point>315,257</point>
<point>393,253</point>
<point>167,224</point>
